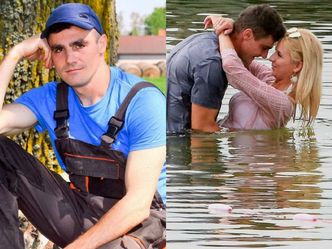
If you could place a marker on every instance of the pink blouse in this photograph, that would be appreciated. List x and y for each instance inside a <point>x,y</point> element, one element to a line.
<point>258,105</point>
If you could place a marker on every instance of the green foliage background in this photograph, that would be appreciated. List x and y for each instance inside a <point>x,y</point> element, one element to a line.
<point>156,21</point>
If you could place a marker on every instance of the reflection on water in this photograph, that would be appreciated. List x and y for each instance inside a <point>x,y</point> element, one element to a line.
<point>266,176</point>
<point>260,169</point>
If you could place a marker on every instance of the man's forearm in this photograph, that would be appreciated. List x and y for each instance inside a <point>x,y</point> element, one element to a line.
<point>7,68</point>
<point>211,127</point>
<point>123,216</point>
<point>32,48</point>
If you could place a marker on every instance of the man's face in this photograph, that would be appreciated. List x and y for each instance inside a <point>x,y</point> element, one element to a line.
<point>76,54</point>
<point>251,48</point>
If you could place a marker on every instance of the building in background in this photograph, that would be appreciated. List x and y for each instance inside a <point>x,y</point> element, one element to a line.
<point>143,55</point>
<point>142,45</point>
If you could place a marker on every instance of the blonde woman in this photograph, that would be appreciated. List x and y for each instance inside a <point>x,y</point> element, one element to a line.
<point>268,97</point>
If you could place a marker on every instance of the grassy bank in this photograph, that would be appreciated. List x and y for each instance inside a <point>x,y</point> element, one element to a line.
<point>159,82</point>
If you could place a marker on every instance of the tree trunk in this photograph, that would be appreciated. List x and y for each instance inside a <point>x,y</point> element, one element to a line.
<point>20,19</point>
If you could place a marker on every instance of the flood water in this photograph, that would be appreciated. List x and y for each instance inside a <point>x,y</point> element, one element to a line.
<point>265,176</point>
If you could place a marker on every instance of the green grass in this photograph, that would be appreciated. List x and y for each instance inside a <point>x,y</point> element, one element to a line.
<point>159,82</point>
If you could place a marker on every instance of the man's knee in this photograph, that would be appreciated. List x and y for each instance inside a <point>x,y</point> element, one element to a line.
<point>3,175</point>
<point>8,150</point>
<point>3,171</point>
<point>7,177</point>
<point>5,140</point>
<point>8,146</point>
<point>2,138</point>
<point>11,158</point>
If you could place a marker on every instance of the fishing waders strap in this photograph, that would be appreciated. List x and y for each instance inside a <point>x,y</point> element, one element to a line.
<point>61,114</point>
<point>116,122</point>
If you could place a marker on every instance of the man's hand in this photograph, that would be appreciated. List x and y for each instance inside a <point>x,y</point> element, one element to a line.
<point>220,24</point>
<point>33,48</point>
<point>15,118</point>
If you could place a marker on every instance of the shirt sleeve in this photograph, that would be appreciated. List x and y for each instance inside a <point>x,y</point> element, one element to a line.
<point>210,83</point>
<point>146,120</point>
<point>270,99</point>
<point>262,72</point>
<point>34,100</point>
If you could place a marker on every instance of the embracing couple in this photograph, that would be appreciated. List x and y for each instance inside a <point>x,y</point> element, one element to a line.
<point>200,68</point>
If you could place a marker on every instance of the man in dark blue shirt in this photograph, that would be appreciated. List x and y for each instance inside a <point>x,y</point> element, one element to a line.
<point>196,82</point>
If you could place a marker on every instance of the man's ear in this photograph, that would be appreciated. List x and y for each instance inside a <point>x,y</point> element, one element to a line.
<point>248,34</point>
<point>102,44</point>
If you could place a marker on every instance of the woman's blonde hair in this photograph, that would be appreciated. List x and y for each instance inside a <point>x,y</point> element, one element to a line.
<point>307,48</point>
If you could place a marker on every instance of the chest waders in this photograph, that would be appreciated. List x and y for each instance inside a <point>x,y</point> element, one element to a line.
<point>100,170</point>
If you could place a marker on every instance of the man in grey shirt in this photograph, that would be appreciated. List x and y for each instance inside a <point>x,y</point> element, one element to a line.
<point>196,82</point>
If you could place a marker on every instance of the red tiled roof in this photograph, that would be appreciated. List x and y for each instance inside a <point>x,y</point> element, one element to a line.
<point>142,45</point>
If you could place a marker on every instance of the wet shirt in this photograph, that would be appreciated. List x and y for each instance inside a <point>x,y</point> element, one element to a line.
<point>144,125</point>
<point>194,75</point>
<point>258,105</point>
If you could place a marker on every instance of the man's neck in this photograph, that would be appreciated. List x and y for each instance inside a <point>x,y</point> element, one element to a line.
<point>96,89</point>
<point>235,40</point>
<point>237,43</point>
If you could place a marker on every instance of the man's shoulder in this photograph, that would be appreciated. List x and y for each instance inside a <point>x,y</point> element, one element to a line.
<point>44,91</point>
<point>205,37</point>
<point>197,48</point>
<point>202,36</point>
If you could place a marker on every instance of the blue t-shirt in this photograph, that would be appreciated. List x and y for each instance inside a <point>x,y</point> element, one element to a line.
<point>145,119</point>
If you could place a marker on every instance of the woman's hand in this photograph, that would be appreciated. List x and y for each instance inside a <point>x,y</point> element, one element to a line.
<point>220,24</point>
<point>222,27</point>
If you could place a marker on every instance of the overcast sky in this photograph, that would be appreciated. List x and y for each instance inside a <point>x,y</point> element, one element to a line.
<point>143,7</point>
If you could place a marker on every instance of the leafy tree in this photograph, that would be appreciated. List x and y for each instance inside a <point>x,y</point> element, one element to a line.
<point>156,21</point>
<point>136,23</point>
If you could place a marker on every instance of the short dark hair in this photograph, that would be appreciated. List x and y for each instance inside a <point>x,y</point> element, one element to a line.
<point>263,20</point>
<point>58,27</point>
